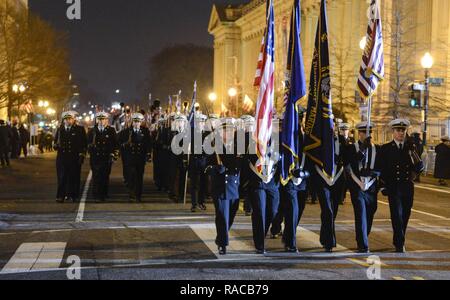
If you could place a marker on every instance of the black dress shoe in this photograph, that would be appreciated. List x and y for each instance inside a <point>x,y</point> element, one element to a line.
<point>329,250</point>
<point>261,251</point>
<point>194,209</point>
<point>291,250</point>
<point>400,250</point>
<point>222,250</point>
<point>363,250</point>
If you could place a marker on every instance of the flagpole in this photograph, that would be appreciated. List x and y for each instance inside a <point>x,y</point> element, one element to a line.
<point>368,134</point>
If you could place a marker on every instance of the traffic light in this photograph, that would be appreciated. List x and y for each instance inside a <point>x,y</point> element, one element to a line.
<point>415,100</point>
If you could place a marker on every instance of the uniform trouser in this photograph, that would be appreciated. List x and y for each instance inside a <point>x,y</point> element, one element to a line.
<point>156,168</point>
<point>198,181</point>
<point>294,205</point>
<point>4,158</point>
<point>164,173</point>
<point>14,150</point>
<point>329,197</point>
<point>345,188</point>
<point>68,174</point>
<point>181,171</point>
<point>265,202</point>
<point>125,167</point>
<point>135,175</point>
<point>226,210</point>
<point>401,200</point>
<point>279,216</point>
<point>172,175</point>
<point>24,149</point>
<point>101,170</point>
<point>364,206</point>
<point>248,203</point>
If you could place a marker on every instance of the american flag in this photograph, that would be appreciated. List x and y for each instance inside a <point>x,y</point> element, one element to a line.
<point>372,67</point>
<point>27,107</point>
<point>265,81</point>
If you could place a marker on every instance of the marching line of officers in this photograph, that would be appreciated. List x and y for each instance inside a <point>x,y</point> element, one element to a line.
<point>227,176</point>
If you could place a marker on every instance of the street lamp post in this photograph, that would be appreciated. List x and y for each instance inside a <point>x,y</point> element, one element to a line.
<point>213,98</point>
<point>427,63</point>
<point>232,92</point>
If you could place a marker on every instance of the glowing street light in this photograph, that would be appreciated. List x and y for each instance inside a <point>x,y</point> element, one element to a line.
<point>427,61</point>
<point>212,97</point>
<point>232,92</point>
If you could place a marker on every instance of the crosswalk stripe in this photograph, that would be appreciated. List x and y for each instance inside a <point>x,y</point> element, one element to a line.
<point>398,278</point>
<point>418,278</point>
<point>35,256</point>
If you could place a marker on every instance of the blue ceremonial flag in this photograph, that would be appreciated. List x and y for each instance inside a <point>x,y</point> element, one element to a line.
<point>194,100</point>
<point>296,92</point>
<point>319,128</point>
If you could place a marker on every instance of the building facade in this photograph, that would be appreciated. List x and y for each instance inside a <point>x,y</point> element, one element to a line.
<point>411,28</point>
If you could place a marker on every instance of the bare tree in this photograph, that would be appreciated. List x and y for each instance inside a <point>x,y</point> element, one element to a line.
<point>31,53</point>
<point>400,36</point>
<point>343,73</point>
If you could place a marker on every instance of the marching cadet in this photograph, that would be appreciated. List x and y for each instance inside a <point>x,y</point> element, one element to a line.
<point>135,142</point>
<point>361,160</point>
<point>179,176</point>
<point>344,131</point>
<point>246,128</point>
<point>294,196</point>
<point>399,165</point>
<point>70,142</point>
<point>160,155</point>
<point>211,125</point>
<point>344,135</point>
<point>173,167</point>
<point>263,189</point>
<point>197,164</point>
<point>225,167</point>
<point>329,192</point>
<point>103,149</point>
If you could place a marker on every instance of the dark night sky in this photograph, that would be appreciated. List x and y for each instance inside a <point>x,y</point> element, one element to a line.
<point>112,43</point>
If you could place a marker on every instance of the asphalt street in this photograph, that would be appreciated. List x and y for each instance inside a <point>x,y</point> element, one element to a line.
<point>160,239</point>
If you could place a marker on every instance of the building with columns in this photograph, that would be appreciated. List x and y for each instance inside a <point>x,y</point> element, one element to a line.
<point>418,26</point>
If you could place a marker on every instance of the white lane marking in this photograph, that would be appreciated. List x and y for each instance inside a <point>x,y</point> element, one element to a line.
<point>35,256</point>
<point>82,206</point>
<point>420,186</point>
<point>421,212</point>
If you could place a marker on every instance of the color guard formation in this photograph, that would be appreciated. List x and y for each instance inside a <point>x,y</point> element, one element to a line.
<point>231,172</point>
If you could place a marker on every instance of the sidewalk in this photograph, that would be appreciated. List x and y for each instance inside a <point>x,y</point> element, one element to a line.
<point>431,181</point>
